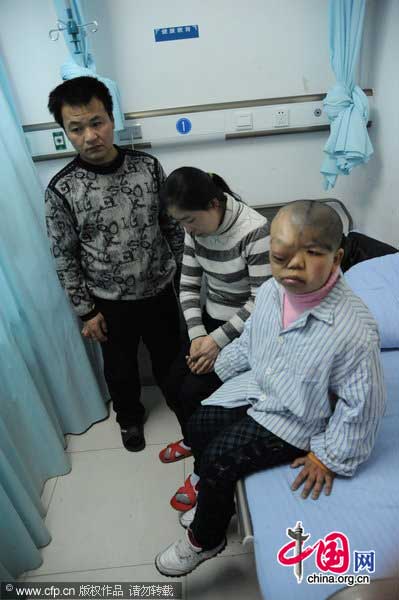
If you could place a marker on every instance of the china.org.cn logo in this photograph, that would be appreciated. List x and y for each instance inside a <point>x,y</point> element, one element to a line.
<point>332,558</point>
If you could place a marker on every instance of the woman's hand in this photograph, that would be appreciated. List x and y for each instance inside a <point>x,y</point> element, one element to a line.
<point>203,353</point>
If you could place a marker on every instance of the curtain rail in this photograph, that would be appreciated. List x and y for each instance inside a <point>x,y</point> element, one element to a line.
<point>179,110</point>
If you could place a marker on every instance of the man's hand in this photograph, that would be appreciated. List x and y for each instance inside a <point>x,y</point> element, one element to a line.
<point>95,328</point>
<point>314,476</point>
<point>203,353</point>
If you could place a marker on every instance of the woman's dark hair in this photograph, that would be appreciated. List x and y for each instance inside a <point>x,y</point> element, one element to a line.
<point>188,188</point>
<point>78,92</point>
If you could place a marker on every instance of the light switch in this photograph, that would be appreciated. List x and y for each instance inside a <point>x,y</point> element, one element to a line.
<point>130,133</point>
<point>136,131</point>
<point>125,134</point>
<point>243,121</point>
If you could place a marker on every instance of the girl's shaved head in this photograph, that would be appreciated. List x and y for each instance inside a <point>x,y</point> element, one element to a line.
<point>320,217</point>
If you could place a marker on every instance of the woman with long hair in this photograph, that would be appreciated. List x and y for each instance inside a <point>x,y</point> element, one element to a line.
<point>226,259</point>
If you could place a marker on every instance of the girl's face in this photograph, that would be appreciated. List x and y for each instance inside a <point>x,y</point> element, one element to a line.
<point>300,260</point>
<point>198,222</point>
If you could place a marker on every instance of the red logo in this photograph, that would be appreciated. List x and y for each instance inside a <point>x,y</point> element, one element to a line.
<point>332,552</point>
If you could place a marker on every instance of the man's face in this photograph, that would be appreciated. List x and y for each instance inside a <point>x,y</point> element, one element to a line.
<point>298,258</point>
<point>90,131</point>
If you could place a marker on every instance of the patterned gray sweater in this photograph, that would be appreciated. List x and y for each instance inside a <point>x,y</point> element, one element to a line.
<point>108,234</point>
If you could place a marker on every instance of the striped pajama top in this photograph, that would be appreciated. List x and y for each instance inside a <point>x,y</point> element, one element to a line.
<point>317,384</point>
<point>235,262</point>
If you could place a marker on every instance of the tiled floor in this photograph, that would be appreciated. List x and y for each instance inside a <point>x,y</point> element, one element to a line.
<point>110,515</point>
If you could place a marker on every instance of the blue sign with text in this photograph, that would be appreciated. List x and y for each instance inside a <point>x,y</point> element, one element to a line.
<point>181,32</point>
<point>183,126</point>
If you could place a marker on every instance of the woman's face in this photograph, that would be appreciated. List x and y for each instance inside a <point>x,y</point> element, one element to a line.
<point>198,222</point>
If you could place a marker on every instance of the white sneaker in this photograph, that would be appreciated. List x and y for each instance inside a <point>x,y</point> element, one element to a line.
<point>182,557</point>
<point>186,518</point>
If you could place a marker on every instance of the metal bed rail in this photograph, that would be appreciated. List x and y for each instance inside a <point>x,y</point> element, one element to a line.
<point>244,520</point>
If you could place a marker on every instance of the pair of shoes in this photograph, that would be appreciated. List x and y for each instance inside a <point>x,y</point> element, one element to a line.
<point>186,518</point>
<point>182,557</point>
<point>185,497</point>
<point>133,437</point>
<point>173,452</point>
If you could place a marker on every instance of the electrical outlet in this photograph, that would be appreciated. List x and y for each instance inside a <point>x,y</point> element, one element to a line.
<point>282,117</point>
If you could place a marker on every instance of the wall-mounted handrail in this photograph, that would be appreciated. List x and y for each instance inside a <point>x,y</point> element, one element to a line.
<point>227,137</point>
<point>180,110</point>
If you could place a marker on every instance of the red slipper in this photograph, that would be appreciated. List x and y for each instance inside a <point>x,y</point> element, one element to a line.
<point>190,494</point>
<point>173,452</point>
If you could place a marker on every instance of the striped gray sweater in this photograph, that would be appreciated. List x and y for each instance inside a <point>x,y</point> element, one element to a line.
<point>234,262</point>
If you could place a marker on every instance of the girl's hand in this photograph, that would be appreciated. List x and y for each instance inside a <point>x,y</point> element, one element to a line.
<point>314,478</point>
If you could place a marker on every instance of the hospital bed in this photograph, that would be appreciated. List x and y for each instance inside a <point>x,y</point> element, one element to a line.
<point>364,508</point>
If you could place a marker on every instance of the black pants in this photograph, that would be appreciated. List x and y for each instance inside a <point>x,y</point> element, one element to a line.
<point>156,321</point>
<point>184,390</point>
<point>227,445</point>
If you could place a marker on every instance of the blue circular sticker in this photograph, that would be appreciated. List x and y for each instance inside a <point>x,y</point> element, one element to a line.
<point>183,126</point>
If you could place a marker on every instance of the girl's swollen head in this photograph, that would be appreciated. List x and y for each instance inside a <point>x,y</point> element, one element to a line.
<point>305,245</point>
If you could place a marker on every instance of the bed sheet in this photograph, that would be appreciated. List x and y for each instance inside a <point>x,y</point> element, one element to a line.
<point>364,508</point>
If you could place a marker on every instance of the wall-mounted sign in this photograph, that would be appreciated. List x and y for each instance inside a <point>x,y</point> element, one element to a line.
<point>181,32</point>
<point>183,125</point>
<point>59,140</point>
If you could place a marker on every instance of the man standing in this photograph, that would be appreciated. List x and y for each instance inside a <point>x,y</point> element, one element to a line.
<point>116,252</point>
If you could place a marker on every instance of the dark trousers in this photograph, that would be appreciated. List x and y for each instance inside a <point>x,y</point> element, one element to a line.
<point>228,445</point>
<point>185,391</point>
<point>154,320</point>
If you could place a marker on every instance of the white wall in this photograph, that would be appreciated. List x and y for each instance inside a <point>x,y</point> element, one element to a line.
<point>263,170</point>
<point>32,60</point>
<point>242,51</point>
